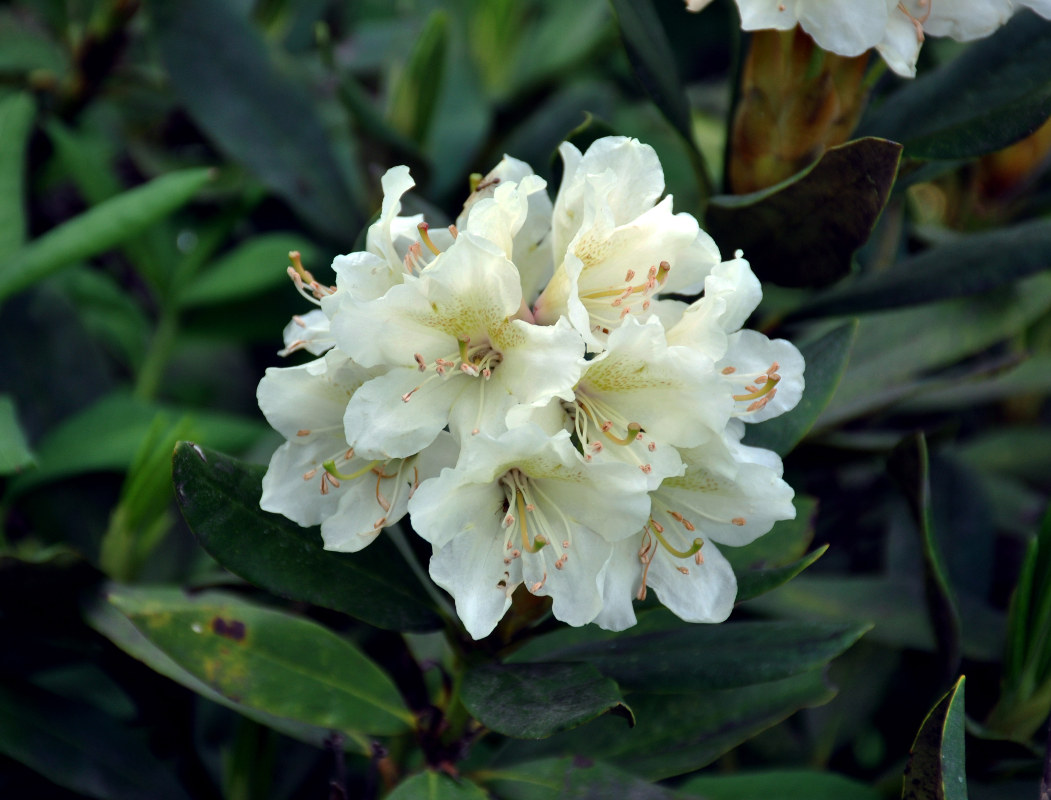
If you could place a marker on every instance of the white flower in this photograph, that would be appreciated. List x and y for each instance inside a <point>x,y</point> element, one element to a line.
<point>454,353</point>
<point>310,332</point>
<point>526,508</point>
<point>616,249</point>
<point>730,494</point>
<point>315,477</point>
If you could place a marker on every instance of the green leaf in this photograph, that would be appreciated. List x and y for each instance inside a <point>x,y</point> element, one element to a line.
<point>257,265</point>
<point>965,265</point>
<point>936,762</point>
<point>100,228</point>
<point>436,786</point>
<point>678,733</point>
<point>570,779</point>
<point>80,748</point>
<point>755,582</point>
<point>826,360</point>
<point>415,95</point>
<point>219,497</point>
<point>997,91</point>
<point>829,208</point>
<point>705,657</point>
<point>25,48</point>
<point>15,455</point>
<point>115,626</point>
<point>257,115</point>
<point>268,660</point>
<point>909,466</point>
<point>16,122</point>
<point>106,437</point>
<point>534,701</point>
<point>780,784</point>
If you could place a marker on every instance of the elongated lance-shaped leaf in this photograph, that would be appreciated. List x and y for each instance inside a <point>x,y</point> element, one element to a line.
<point>783,784</point>
<point>826,360</point>
<point>268,660</point>
<point>581,779</point>
<point>14,451</point>
<point>219,497</point>
<point>16,121</point>
<point>415,95</point>
<point>752,583</point>
<point>431,785</point>
<point>997,91</point>
<point>935,770</point>
<point>100,228</point>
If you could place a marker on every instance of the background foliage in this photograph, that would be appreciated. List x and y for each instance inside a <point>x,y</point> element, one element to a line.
<point>158,160</point>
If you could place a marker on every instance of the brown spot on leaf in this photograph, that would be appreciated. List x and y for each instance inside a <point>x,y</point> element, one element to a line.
<point>232,629</point>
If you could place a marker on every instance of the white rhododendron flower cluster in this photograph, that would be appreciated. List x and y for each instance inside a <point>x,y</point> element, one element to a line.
<point>525,387</point>
<point>896,28</point>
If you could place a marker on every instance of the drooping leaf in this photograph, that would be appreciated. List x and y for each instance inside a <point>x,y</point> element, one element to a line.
<point>997,91</point>
<point>804,231</point>
<point>15,455</point>
<point>965,265</point>
<point>79,747</point>
<point>826,360</point>
<point>536,700</point>
<point>256,114</point>
<point>258,264</point>
<point>752,583</point>
<point>219,497</point>
<point>436,786</point>
<point>115,626</point>
<point>936,763</point>
<point>780,784</point>
<point>16,121</point>
<point>571,779</point>
<point>274,662</point>
<point>713,656</point>
<point>414,97</point>
<point>100,228</point>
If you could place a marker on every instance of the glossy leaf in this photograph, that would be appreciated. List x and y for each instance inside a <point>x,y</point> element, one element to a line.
<point>268,660</point>
<point>677,733</point>
<point>997,91</point>
<point>414,97</point>
<point>16,122</point>
<point>935,770</point>
<point>826,360</point>
<point>106,437</point>
<point>80,748</point>
<point>100,228</point>
<point>436,786</point>
<point>257,265</point>
<point>909,466</point>
<point>829,210</point>
<point>713,656</point>
<point>115,626</point>
<point>779,784</point>
<point>752,583</point>
<point>219,497</point>
<point>534,701</point>
<point>15,455</point>
<point>964,265</point>
<point>571,779</point>
<point>256,114</point>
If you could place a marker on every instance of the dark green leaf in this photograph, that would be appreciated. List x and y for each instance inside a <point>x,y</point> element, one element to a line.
<point>830,209</point>
<point>260,263</point>
<point>909,466</point>
<point>258,116</point>
<point>415,95</point>
<point>436,786</point>
<point>16,122</point>
<point>996,92</point>
<point>534,701</point>
<point>14,451</point>
<point>274,662</point>
<point>779,784</point>
<point>826,360</point>
<point>571,779</point>
<point>965,265</point>
<point>755,582</point>
<point>115,626</point>
<point>677,733</point>
<point>25,48</point>
<point>219,497</point>
<point>80,748</point>
<point>936,763</point>
<point>701,657</point>
<point>100,228</point>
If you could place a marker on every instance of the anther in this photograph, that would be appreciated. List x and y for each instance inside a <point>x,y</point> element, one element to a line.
<point>729,370</point>
<point>299,320</point>
<point>565,544</point>
<point>738,521</point>
<point>509,520</point>
<point>651,446</point>
<point>379,523</point>
<point>408,395</point>
<point>303,432</point>
<point>683,570</point>
<point>420,362</point>
<point>309,474</point>
<point>629,275</point>
<point>454,231</point>
<point>646,468</point>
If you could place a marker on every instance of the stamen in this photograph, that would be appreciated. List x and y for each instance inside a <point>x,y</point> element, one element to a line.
<point>539,584</point>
